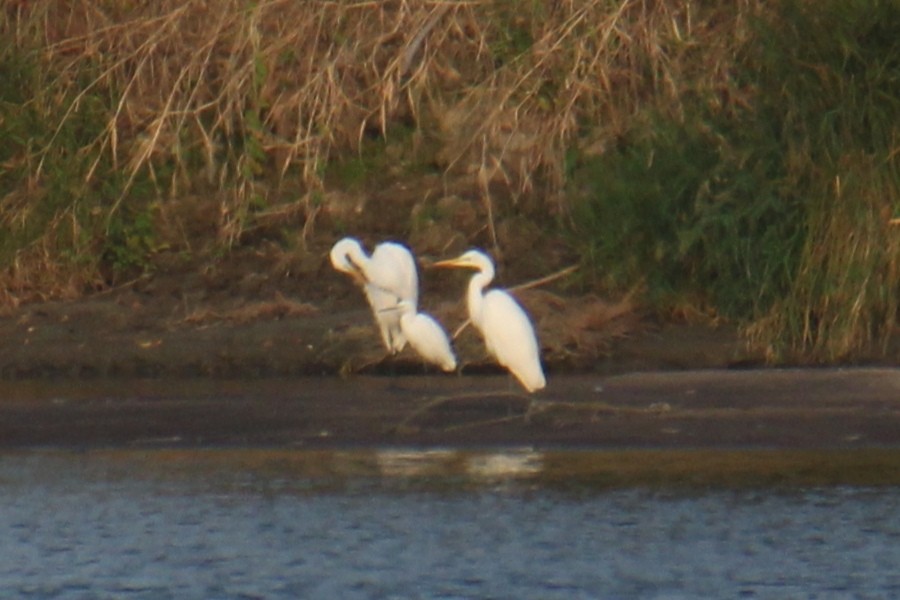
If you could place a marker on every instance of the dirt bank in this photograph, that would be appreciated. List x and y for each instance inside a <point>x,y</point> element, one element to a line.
<point>250,353</point>
<point>266,311</point>
<point>129,336</point>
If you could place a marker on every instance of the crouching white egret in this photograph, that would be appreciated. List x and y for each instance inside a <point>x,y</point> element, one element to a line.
<point>387,277</point>
<point>426,336</point>
<point>507,331</point>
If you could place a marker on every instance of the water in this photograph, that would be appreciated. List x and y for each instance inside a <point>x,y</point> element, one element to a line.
<point>239,524</point>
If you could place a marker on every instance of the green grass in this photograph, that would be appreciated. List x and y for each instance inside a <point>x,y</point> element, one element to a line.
<point>693,213</point>
<point>773,210</point>
<point>52,208</point>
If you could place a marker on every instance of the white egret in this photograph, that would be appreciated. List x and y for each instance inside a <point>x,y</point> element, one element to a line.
<point>426,336</point>
<point>507,331</point>
<point>387,277</point>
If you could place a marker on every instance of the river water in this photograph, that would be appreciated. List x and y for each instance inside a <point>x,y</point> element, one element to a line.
<point>410,524</point>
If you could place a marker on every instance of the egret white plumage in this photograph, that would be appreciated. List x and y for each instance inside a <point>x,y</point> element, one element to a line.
<point>426,336</point>
<point>507,331</point>
<point>387,277</point>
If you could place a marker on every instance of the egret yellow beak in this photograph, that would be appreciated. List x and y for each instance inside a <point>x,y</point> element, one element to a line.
<point>355,273</point>
<point>450,263</point>
<point>357,277</point>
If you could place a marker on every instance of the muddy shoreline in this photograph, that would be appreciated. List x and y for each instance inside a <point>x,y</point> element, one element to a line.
<point>827,409</point>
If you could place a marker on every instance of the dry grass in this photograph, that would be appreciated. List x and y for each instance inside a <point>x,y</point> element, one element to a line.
<point>253,101</point>
<point>281,86</point>
<point>36,274</point>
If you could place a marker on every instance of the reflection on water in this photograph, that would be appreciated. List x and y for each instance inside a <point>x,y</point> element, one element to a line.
<point>433,524</point>
<point>476,466</point>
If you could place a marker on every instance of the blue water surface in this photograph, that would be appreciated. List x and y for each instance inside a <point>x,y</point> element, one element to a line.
<point>82,526</point>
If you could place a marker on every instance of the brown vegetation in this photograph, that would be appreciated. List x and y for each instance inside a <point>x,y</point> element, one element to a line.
<point>238,97</point>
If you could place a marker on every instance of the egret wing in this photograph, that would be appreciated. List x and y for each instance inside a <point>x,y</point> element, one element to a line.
<point>393,268</point>
<point>429,340</point>
<point>509,336</point>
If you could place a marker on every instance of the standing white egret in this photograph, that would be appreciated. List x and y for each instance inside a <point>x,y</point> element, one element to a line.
<point>507,331</point>
<point>387,277</point>
<point>426,336</point>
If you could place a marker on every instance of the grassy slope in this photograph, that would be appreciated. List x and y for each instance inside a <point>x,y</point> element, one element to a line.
<point>741,161</point>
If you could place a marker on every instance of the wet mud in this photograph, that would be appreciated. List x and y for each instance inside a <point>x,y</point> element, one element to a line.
<point>795,409</point>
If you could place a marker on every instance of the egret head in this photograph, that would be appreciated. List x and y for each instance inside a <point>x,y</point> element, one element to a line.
<point>345,256</point>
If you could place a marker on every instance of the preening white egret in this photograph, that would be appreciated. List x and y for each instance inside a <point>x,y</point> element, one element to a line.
<point>387,277</point>
<point>507,331</point>
<point>426,336</point>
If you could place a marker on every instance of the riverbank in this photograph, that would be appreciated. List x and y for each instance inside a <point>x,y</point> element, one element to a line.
<point>247,353</point>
